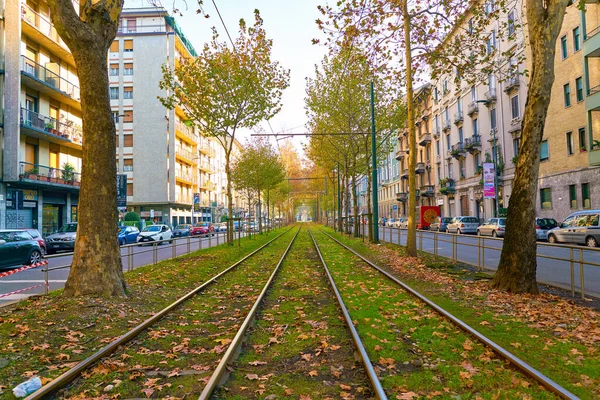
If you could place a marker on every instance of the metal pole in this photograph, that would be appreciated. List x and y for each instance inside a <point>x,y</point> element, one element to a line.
<point>339,224</point>
<point>130,258</point>
<point>47,285</point>
<point>581,278</point>
<point>188,244</point>
<point>374,167</point>
<point>496,213</point>
<point>173,249</point>
<point>572,272</point>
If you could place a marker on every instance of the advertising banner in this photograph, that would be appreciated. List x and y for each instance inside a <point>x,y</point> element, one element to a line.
<point>489,188</point>
<point>121,190</point>
<point>196,202</point>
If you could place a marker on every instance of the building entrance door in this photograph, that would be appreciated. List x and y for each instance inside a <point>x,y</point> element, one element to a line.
<point>51,219</point>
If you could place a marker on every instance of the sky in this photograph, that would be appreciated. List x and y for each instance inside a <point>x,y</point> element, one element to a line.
<point>291,25</point>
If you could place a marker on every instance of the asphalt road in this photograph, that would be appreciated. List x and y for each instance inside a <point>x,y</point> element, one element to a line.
<point>549,270</point>
<point>140,256</point>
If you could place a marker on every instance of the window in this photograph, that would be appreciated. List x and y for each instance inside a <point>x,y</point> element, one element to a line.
<point>130,189</point>
<point>437,147</point>
<point>114,70</point>
<point>462,168</point>
<point>585,195</point>
<point>450,171</point>
<point>115,116</point>
<point>114,93</point>
<point>514,107</point>
<point>471,26</point>
<point>563,47</point>
<point>114,46</point>
<point>128,69</point>
<point>511,23</point>
<point>573,196</point>
<point>448,142</point>
<point>127,165</point>
<point>435,94</point>
<point>576,41</point>
<point>516,146</point>
<point>579,89</point>
<point>128,116</point>
<point>128,45</point>
<point>567,94</point>
<point>493,117</point>
<point>544,153</point>
<point>128,92</point>
<point>491,81</point>
<point>491,42</point>
<point>131,25</point>
<point>127,140</point>
<point>569,143</point>
<point>476,162</point>
<point>582,141</point>
<point>546,198</point>
<point>475,127</point>
<point>439,172</point>
<point>460,135</point>
<point>489,7</point>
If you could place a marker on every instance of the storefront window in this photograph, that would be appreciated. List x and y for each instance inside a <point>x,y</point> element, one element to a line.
<point>73,213</point>
<point>51,219</point>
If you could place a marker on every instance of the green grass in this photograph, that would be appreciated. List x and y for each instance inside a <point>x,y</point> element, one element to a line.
<point>44,336</point>
<point>570,362</point>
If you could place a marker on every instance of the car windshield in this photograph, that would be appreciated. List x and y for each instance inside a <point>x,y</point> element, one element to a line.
<point>205,224</point>
<point>152,228</point>
<point>69,228</point>
<point>547,223</point>
<point>122,229</point>
<point>446,219</point>
<point>34,234</point>
<point>181,227</point>
<point>470,219</point>
<point>502,221</point>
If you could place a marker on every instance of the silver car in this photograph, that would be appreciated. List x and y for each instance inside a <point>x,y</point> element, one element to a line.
<point>581,227</point>
<point>463,224</point>
<point>543,226</point>
<point>494,227</point>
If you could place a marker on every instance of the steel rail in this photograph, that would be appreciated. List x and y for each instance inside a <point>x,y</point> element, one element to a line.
<point>375,383</point>
<point>527,369</point>
<point>74,372</point>
<point>235,344</point>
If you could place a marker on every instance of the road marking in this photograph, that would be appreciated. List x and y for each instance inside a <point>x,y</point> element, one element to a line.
<point>34,281</point>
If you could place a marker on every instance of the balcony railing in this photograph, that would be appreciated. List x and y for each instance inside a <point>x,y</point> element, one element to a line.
<point>594,90</point>
<point>183,199</point>
<point>472,108</point>
<point>186,130</point>
<point>208,185</point>
<point>186,177</point>
<point>593,32</point>
<point>458,150</point>
<point>63,129</point>
<point>425,140</point>
<point>45,174</point>
<point>205,166</point>
<point>427,191</point>
<point>42,23</point>
<point>50,78</point>
<point>473,143</point>
<point>160,28</point>
<point>420,168</point>
<point>511,83</point>
<point>187,154</point>
<point>404,174</point>
<point>446,125</point>
<point>458,117</point>
<point>206,149</point>
<point>436,133</point>
<point>401,196</point>
<point>400,155</point>
<point>490,96</point>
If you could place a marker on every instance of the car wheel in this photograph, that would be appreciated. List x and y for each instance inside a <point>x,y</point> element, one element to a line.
<point>160,241</point>
<point>171,241</point>
<point>552,239</point>
<point>43,250</point>
<point>35,257</point>
<point>123,242</point>
<point>591,241</point>
<point>494,234</point>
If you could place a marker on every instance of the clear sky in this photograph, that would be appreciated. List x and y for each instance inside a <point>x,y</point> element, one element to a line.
<point>291,25</point>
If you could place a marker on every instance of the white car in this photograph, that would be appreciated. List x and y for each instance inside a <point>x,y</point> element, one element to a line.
<point>403,224</point>
<point>390,222</point>
<point>463,224</point>
<point>153,233</point>
<point>400,222</point>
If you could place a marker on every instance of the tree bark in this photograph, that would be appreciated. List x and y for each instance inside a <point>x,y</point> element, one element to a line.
<point>96,268</point>
<point>230,232</point>
<point>411,239</point>
<point>518,264</point>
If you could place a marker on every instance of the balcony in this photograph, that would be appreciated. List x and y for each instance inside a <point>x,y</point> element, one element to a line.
<point>186,131</point>
<point>490,96</point>
<point>48,176</point>
<point>183,199</point>
<point>591,43</point>
<point>401,197</point>
<point>458,151</point>
<point>447,186</point>
<point>426,114</point>
<point>404,174</point>
<point>185,155</point>
<point>400,154</point>
<point>420,168</point>
<point>46,81</point>
<point>473,144</point>
<point>458,118</point>
<point>511,83</point>
<point>205,167</point>
<point>427,191</point>
<point>436,133</point>
<point>42,31</point>
<point>472,108</point>
<point>446,125</point>
<point>206,149</point>
<point>188,178</point>
<point>425,140</point>
<point>208,185</point>
<point>64,132</point>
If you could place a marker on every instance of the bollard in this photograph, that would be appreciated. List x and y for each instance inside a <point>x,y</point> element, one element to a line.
<point>453,247</point>
<point>479,253</point>
<point>130,258</point>
<point>47,284</point>
<point>435,242</point>
<point>188,245</point>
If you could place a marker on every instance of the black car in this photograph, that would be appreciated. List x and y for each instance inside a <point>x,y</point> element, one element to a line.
<point>63,239</point>
<point>17,248</point>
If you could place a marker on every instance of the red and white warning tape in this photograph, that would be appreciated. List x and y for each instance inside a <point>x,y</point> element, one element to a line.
<point>21,290</point>
<point>24,268</point>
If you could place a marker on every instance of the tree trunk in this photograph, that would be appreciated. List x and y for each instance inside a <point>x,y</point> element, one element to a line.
<point>259,215</point>
<point>355,205</point>
<point>230,234</point>
<point>518,263</point>
<point>411,239</point>
<point>96,268</point>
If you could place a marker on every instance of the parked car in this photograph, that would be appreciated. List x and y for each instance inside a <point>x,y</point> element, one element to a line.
<point>127,235</point>
<point>36,235</point>
<point>182,230</point>
<point>399,221</point>
<point>63,239</point>
<point>492,227</point>
<point>251,226</point>
<point>221,227</point>
<point>463,224</point>
<point>403,224</point>
<point>236,226</point>
<point>440,224</point>
<point>390,222</point>
<point>17,248</point>
<point>155,233</point>
<point>203,228</point>
<point>581,227</point>
<point>543,226</point>
<point>382,221</point>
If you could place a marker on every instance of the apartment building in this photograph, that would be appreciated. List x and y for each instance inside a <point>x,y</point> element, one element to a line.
<point>480,123</point>
<point>40,134</point>
<point>388,177</point>
<point>424,169</point>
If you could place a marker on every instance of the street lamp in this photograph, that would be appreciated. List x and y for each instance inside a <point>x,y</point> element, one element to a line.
<point>494,156</point>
